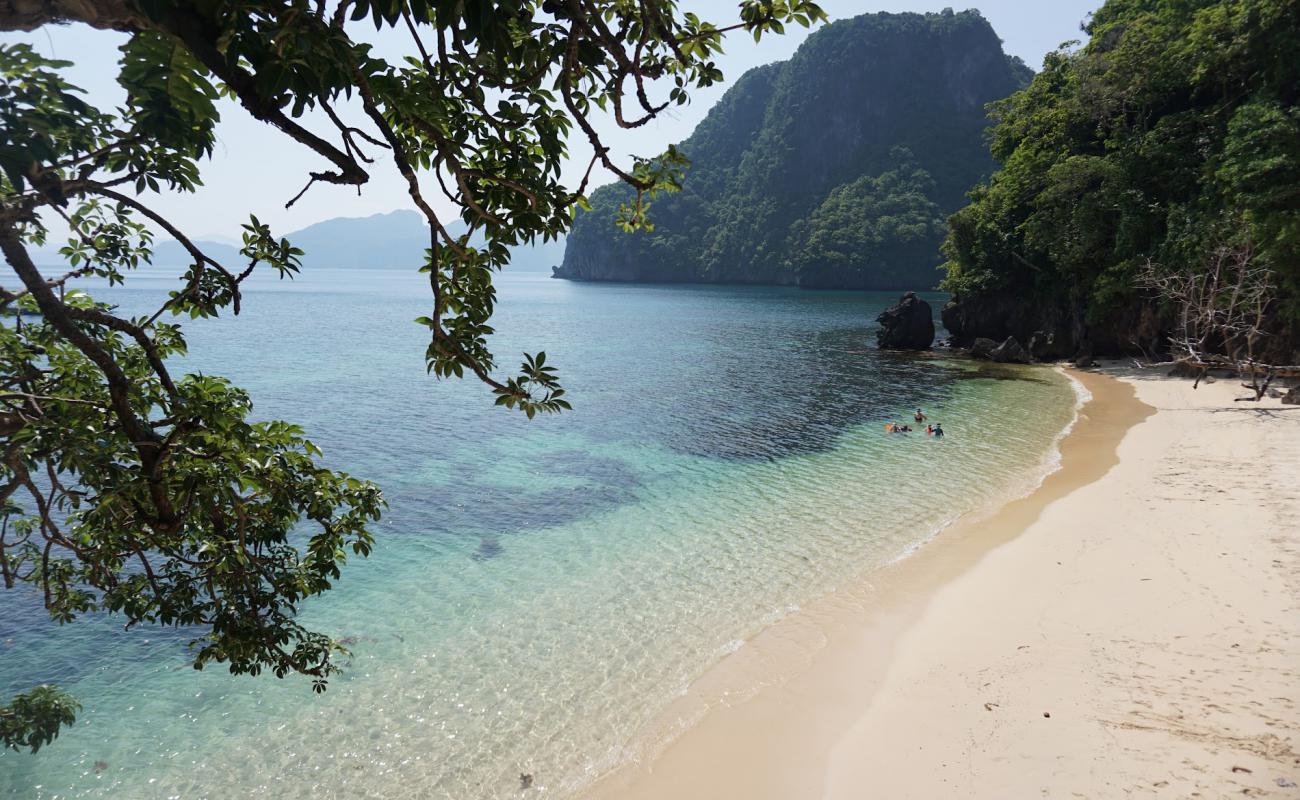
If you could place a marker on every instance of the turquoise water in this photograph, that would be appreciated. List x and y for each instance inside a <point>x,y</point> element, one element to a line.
<point>539,590</point>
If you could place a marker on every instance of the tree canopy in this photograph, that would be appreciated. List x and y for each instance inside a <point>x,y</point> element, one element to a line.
<point>1175,131</point>
<point>882,228</point>
<point>135,491</point>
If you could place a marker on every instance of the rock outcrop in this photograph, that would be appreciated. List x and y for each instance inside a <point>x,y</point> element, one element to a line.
<point>1041,345</point>
<point>906,325</point>
<point>1010,352</point>
<point>982,347</point>
<point>1292,397</point>
<point>1053,332</point>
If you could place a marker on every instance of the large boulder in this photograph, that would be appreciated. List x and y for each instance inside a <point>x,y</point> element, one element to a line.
<point>1010,352</point>
<point>907,325</point>
<point>1292,398</point>
<point>982,347</point>
<point>1041,346</point>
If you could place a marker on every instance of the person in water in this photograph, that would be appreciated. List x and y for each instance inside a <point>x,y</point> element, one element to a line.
<point>938,429</point>
<point>919,416</point>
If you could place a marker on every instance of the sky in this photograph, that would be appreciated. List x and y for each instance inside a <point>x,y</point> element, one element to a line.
<point>255,169</point>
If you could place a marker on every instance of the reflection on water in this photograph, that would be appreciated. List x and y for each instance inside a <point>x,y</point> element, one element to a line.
<point>539,589</point>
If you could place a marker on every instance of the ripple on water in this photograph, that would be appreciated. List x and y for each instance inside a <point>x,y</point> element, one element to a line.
<point>540,591</point>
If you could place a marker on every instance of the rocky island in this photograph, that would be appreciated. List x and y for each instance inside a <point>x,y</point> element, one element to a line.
<point>835,169</point>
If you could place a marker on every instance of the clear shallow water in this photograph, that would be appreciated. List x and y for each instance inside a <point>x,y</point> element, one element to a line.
<point>539,589</point>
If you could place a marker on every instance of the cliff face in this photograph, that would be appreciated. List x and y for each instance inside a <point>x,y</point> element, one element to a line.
<point>834,169</point>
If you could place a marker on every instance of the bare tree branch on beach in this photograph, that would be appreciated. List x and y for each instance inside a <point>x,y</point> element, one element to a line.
<point>1221,314</point>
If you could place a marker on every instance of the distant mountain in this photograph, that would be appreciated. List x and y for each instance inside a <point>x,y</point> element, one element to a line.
<point>394,240</point>
<point>834,169</point>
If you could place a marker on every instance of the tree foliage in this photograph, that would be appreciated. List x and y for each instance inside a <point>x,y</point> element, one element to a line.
<point>1174,132</point>
<point>33,719</point>
<point>157,497</point>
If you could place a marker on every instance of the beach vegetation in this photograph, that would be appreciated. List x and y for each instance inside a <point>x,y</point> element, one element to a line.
<point>1171,136</point>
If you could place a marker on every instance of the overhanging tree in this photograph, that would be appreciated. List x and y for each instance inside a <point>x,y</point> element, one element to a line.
<point>131,490</point>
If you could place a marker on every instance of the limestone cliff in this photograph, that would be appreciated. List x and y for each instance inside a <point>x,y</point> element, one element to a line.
<point>834,169</point>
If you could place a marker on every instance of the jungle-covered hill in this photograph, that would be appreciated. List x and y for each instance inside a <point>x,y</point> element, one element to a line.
<point>1171,137</point>
<point>834,169</point>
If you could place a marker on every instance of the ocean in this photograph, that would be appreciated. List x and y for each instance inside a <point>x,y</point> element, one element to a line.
<point>539,589</point>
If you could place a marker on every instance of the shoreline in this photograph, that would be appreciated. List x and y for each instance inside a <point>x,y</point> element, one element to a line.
<point>882,686</point>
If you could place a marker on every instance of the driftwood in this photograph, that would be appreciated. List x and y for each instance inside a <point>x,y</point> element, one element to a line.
<point>1261,375</point>
<point>1222,313</point>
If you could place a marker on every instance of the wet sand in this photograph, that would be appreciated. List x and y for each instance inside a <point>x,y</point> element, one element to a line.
<point>1132,627</point>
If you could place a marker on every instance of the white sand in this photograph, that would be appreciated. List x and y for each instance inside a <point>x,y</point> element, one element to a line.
<point>1150,606</point>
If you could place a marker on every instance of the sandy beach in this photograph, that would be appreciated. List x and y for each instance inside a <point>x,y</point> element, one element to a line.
<point>1131,628</point>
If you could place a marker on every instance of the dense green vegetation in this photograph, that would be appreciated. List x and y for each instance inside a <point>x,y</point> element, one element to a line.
<point>1173,132</point>
<point>875,230</point>
<point>131,489</point>
<point>834,169</point>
